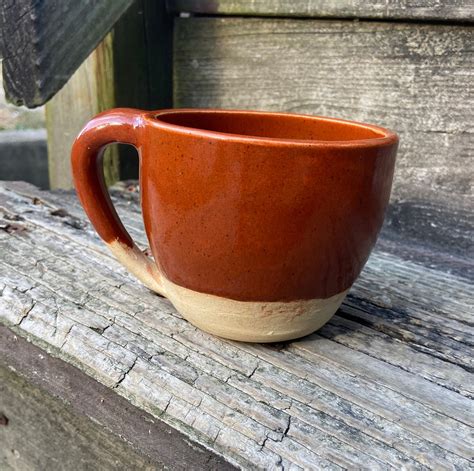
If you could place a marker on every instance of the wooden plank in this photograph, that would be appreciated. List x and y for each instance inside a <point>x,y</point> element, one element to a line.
<point>65,438</point>
<point>89,91</point>
<point>459,10</point>
<point>439,319</point>
<point>416,79</point>
<point>81,421</point>
<point>400,285</point>
<point>258,405</point>
<point>142,56</point>
<point>43,43</point>
<point>147,386</point>
<point>151,394</point>
<point>316,346</point>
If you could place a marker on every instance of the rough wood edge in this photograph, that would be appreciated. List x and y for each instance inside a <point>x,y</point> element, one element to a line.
<point>148,435</point>
<point>43,43</point>
<point>461,11</point>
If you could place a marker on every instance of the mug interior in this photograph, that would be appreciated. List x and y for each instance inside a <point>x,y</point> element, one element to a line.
<point>282,126</point>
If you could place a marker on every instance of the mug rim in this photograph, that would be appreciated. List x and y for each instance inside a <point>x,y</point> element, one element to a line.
<point>388,137</point>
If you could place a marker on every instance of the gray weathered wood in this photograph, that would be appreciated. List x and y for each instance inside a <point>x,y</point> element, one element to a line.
<point>23,156</point>
<point>387,383</point>
<point>444,10</point>
<point>42,433</point>
<point>43,43</point>
<point>82,424</point>
<point>416,79</point>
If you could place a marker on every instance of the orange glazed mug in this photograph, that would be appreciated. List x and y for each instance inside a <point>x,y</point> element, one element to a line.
<point>259,223</point>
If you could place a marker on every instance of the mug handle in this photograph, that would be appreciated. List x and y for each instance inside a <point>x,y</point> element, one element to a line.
<point>122,125</point>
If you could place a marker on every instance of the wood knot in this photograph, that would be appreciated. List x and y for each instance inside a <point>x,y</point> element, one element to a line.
<point>13,228</point>
<point>69,219</point>
<point>3,420</point>
<point>60,212</point>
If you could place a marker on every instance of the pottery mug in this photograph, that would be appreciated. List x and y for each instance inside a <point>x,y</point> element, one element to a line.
<point>259,223</point>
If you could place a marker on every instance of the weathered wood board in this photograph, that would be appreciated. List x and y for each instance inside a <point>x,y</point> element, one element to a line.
<point>43,43</point>
<point>53,416</point>
<point>387,383</point>
<point>40,433</point>
<point>440,10</point>
<point>415,79</point>
<point>89,91</point>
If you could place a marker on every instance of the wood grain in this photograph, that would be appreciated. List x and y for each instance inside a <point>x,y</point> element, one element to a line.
<point>415,79</point>
<point>74,441</point>
<point>444,10</point>
<point>89,91</point>
<point>385,384</point>
<point>82,424</point>
<point>43,43</point>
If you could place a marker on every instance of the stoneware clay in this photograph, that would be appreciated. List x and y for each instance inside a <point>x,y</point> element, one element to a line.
<point>259,223</point>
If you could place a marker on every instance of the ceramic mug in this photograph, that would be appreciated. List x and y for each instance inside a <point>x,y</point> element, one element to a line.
<point>259,223</point>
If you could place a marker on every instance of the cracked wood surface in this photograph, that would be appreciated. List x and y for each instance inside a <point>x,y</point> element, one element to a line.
<point>83,424</point>
<point>386,384</point>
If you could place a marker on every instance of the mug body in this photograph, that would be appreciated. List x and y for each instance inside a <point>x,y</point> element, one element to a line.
<point>259,223</point>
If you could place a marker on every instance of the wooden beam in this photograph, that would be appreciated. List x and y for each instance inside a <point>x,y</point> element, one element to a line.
<point>89,91</point>
<point>131,67</point>
<point>425,10</point>
<point>43,43</point>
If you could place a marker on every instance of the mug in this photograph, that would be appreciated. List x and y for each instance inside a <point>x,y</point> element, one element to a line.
<point>258,222</point>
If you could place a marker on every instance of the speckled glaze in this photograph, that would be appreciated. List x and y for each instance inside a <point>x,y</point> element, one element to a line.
<point>250,207</point>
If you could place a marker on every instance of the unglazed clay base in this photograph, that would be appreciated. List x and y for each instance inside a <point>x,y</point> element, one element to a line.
<point>246,321</point>
<point>252,321</point>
